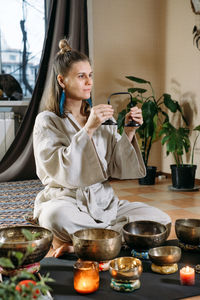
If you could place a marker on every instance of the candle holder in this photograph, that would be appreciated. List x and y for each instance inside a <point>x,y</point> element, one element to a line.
<point>187,276</point>
<point>132,123</point>
<point>86,276</point>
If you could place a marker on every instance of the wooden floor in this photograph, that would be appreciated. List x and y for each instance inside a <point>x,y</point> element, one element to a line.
<point>175,204</point>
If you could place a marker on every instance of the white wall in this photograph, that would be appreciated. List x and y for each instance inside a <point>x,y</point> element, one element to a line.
<point>182,61</point>
<point>150,39</point>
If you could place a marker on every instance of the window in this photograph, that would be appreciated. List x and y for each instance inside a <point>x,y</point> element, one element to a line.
<point>22,31</point>
<point>12,57</point>
<point>22,36</point>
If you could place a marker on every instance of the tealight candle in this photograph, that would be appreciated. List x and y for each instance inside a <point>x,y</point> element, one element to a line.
<point>86,276</point>
<point>187,276</point>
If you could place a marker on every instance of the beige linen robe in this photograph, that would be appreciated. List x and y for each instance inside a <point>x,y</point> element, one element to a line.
<point>75,169</point>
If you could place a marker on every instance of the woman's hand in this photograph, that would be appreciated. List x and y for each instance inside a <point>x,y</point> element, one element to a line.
<point>134,114</point>
<point>98,115</point>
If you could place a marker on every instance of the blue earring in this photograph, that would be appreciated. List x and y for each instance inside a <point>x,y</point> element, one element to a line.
<point>89,101</point>
<point>62,102</point>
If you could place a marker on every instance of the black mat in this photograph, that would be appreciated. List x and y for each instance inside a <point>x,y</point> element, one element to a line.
<point>153,286</point>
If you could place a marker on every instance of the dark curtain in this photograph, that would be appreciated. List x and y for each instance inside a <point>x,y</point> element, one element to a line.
<point>67,18</point>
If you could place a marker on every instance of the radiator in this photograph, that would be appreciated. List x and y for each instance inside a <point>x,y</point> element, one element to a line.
<point>7,131</point>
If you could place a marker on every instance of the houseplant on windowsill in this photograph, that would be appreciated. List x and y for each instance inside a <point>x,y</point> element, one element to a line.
<point>178,143</point>
<point>154,111</point>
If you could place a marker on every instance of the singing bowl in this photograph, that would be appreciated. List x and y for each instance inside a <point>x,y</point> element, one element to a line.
<point>125,268</point>
<point>165,255</point>
<point>12,240</point>
<point>143,235</point>
<point>188,231</point>
<point>96,244</point>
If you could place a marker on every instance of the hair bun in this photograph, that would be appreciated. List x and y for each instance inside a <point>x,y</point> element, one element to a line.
<point>64,46</point>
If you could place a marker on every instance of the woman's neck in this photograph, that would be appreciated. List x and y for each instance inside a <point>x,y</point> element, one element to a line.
<point>74,107</point>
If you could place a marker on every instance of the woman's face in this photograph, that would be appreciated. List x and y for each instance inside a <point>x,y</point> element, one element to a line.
<point>78,82</point>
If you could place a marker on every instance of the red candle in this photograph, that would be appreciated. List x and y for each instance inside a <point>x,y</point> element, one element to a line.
<point>86,276</point>
<point>187,276</point>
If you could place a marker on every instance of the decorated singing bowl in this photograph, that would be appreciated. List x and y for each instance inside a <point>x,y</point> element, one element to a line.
<point>96,244</point>
<point>165,255</point>
<point>188,231</point>
<point>143,235</point>
<point>125,268</point>
<point>14,239</point>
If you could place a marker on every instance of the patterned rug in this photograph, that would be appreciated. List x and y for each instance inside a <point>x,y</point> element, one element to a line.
<point>17,201</point>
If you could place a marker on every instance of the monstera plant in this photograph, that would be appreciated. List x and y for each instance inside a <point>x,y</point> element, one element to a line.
<point>155,114</point>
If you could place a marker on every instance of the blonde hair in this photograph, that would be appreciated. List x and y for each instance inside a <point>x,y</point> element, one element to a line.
<point>63,62</point>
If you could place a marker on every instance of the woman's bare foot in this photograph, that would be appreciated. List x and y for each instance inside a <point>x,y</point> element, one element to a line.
<point>60,247</point>
<point>65,247</point>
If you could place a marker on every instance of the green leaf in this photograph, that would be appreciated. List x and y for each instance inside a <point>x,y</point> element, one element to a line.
<point>136,79</point>
<point>131,104</point>
<point>6,263</point>
<point>30,249</point>
<point>29,235</point>
<point>25,275</point>
<point>164,140</point>
<point>197,128</point>
<point>140,91</point>
<point>169,103</point>
<point>177,140</point>
<point>19,256</point>
<point>120,120</point>
<point>149,110</point>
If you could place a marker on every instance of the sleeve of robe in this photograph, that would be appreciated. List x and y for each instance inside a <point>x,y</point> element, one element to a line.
<point>126,161</point>
<point>61,162</point>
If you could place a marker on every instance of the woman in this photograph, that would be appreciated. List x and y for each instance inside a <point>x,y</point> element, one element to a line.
<point>75,155</point>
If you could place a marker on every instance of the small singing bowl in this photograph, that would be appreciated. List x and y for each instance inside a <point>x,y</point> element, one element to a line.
<point>125,268</point>
<point>13,239</point>
<point>143,235</point>
<point>188,231</point>
<point>97,244</point>
<point>165,255</point>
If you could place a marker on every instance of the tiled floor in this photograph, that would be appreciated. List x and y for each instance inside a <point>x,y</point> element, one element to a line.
<point>176,204</point>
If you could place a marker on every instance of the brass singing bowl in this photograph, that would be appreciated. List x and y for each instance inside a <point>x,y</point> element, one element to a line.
<point>13,240</point>
<point>165,255</point>
<point>96,244</point>
<point>125,268</point>
<point>143,235</point>
<point>188,231</point>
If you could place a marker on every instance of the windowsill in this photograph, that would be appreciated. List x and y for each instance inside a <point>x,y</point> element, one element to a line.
<point>9,103</point>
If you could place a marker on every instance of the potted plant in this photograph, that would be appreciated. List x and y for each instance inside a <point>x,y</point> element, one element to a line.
<point>178,143</point>
<point>22,284</point>
<point>154,111</point>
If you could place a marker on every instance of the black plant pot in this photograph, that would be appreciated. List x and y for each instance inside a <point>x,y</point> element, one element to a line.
<point>183,177</point>
<point>149,179</point>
